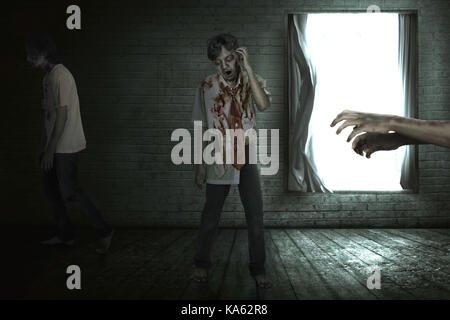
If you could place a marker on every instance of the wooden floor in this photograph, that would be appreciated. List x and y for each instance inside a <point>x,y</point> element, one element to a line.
<point>302,264</point>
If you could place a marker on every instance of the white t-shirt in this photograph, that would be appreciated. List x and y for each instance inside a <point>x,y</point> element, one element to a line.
<point>60,90</point>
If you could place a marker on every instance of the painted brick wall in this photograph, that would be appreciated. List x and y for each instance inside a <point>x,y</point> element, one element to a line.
<point>136,66</point>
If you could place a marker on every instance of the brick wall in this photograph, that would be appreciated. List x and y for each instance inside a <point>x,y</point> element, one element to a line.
<point>137,64</point>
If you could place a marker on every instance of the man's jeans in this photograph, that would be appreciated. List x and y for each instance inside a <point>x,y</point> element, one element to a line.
<point>251,197</point>
<point>60,186</point>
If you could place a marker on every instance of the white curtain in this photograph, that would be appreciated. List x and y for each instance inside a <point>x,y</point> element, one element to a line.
<point>407,61</point>
<point>303,174</point>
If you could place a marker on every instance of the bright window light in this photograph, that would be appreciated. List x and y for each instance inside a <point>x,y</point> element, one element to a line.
<point>356,59</point>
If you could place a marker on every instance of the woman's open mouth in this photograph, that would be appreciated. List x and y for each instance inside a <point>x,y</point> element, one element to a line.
<point>228,73</point>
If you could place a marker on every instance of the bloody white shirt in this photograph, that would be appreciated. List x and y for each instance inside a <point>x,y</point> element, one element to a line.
<point>212,107</point>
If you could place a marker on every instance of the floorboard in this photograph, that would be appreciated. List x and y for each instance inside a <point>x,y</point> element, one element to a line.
<point>410,272</point>
<point>237,283</point>
<point>221,252</point>
<point>357,267</point>
<point>307,282</point>
<point>339,279</point>
<point>301,264</point>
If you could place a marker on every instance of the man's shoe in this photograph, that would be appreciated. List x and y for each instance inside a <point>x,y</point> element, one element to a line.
<point>104,244</point>
<point>57,241</point>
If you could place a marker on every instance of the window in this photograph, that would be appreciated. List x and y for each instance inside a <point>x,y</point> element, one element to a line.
<point>356,60</point>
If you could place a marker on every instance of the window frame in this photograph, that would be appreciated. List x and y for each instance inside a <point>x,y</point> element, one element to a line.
<point>286,14</point>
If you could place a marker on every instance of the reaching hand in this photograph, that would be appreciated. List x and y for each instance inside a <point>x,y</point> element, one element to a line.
<point>362,122</point>
<point>369,143</point>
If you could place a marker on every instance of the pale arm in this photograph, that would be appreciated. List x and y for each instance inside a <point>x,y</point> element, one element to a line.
<point>60,122</point>
<point>261,99</point>
<point>423,131</point>
<point>415,131</point>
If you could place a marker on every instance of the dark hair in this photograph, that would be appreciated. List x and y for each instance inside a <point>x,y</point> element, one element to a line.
<point>227,40</point>
<point>43,44</point>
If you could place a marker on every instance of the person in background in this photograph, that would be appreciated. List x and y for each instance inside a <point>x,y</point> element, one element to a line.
<point>62,139</point>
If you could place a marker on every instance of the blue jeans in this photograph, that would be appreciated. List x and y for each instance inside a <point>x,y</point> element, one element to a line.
<point>60,187</point>
<point>251,197</point>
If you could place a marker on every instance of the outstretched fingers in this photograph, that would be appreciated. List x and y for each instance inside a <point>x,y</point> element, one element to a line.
<point>344,115</point>
<point>356,130</point>
<point>346,124</point>
<point>358,141</point>
<point>371,150</point>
